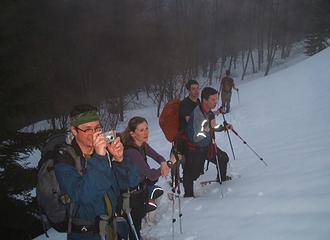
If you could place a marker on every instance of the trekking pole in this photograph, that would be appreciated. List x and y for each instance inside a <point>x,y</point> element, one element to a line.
<point>231,145</point>
<point>173,218</point>
<point>261,159</point>
<point>127,210</point>
<point>176,191</point>
<point>180,213</point>
<point>177,180</point>
<point>173,207</point>
<point>172,194</point>
<point>218,164</point>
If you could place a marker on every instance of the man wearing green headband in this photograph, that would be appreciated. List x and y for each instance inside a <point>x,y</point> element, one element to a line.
<point>86,128</point>
<point>94,190</point>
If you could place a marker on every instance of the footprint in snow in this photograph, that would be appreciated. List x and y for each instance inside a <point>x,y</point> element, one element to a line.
<point>187,200</point>
<point>199,208</point>
<point>191,238</point>
<point>215,190</point>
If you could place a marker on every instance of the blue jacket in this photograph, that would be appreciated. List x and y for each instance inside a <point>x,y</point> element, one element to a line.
<point>87,190</point>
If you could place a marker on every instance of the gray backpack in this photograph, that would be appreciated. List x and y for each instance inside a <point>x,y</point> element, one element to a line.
<point>54,205</point>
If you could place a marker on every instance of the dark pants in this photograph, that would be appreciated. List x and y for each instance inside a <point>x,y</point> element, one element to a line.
<point>193,168</point>
<point>223,160</point>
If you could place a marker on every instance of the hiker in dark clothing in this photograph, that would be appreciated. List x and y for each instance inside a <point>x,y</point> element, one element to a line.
<point>200,131</point>
<point>94,191</point>
<point>187,105</point>
<point>137,149</point>
<point>226,86</point>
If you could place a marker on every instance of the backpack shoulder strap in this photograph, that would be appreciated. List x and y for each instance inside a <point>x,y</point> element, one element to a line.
<point>73,159</point>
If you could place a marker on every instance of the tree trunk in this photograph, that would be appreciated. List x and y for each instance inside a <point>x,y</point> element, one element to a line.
<point>270,59</point>
<point>246,64</point>
<point>211,73</point>
<point>252,61</point>
<point>160,100</point>
<point>230,62</point>
<point>223,62</point>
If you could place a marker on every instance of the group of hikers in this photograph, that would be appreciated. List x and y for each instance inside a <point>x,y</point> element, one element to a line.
<point>196,139</point>
<point>110,183</point>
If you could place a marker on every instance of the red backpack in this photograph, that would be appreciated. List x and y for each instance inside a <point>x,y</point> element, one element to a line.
<point>169,119</point>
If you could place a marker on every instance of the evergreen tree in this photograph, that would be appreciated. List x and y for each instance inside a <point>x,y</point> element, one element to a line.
<point>18,214</point>
<point>319,35</point>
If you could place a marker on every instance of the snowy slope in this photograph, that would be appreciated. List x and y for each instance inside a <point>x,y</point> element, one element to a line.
<point>284,118</point>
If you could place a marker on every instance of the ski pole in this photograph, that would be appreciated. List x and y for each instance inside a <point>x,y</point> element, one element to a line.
<point>176,191</point>
<point>180,213</point>
<point>231,145</point>
<point>130,220</point>
<point>172,194</point>
<point>173,218</point>
<point>177,178</point>
<point>261,159</point>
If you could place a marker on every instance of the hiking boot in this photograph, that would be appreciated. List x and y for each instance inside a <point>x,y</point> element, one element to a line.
<point>218,180</point>
<point>151,205</point>
<point>227,178</point>
<point>156,193</point>
<point>223,180</point>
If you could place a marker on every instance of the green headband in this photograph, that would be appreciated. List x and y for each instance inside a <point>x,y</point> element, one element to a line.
<point>84,117</point>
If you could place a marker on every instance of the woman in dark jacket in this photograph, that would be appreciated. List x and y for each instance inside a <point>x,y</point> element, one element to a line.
<point>137,149</point>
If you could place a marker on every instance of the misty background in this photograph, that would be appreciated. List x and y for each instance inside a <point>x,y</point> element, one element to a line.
<point>54,54</point>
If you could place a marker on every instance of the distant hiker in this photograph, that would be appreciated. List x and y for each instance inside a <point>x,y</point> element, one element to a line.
<point>137,149</point>
<point>226,86</point>
<point>200,131</point>
<point>93,191</point>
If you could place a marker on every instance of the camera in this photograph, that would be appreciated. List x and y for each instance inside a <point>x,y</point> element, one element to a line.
<point>110,136</point>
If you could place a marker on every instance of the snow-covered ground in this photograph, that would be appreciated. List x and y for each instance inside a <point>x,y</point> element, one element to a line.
<point>285,118</point>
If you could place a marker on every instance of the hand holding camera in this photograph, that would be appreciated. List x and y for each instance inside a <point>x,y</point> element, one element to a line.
<point>99,143</point>
<point>114,145</point>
